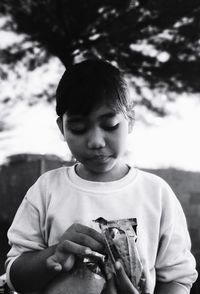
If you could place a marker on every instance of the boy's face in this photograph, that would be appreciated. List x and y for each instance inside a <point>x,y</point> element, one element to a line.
<point>97,140</point>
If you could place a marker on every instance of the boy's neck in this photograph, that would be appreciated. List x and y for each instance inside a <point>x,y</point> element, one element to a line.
<point>117,173</point>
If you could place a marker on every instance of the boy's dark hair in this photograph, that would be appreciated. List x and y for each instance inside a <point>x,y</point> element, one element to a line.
<point>86,85</point>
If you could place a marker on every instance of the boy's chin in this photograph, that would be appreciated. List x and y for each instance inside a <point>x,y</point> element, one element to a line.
<point>104,172</point>
<point>101,168</point>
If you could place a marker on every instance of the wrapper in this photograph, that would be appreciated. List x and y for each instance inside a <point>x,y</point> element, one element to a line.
<point>120,238</point>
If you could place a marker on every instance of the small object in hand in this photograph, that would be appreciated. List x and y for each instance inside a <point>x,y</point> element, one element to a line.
<point>120,238</point>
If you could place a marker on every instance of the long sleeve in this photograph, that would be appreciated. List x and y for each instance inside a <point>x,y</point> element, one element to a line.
<point>26,232</point>
<point>175,263</point>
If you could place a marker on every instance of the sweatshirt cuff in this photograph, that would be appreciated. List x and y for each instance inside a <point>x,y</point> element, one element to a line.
<point>8,267</point>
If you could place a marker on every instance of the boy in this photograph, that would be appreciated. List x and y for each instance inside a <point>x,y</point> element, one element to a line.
<point>53,229</point>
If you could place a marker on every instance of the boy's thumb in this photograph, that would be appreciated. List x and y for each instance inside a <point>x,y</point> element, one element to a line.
<point>52,264</point>
<point>69,263</point>
<point>109,287</point>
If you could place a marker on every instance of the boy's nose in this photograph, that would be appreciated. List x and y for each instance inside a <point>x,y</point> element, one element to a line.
<point>96,139</point>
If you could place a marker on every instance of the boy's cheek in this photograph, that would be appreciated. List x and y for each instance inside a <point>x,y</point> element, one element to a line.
<point>72,141</point>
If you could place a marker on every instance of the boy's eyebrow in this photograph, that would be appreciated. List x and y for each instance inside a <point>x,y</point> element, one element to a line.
<point>108,115</point>
<point>72,118</point>
<point>77,118</point>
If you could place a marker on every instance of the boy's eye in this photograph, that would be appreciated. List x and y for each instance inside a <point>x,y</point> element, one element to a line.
<point>77,128</point>
<point>77,132</point>
<point>110,124</point>
<point>109,127</point>
<point>81,127</point>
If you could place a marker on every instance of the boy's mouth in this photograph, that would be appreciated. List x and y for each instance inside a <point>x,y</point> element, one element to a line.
<point>99,158</point>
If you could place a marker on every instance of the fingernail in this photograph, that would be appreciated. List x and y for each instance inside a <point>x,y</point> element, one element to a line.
<point>117,265</point>
<point>58,267</point>
<point>88,251</point>
<point>109,276</point>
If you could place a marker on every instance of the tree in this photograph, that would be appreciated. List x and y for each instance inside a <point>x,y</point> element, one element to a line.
<point>157,41</point>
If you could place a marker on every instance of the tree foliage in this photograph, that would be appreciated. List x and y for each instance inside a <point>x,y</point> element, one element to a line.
<point>155,40</point>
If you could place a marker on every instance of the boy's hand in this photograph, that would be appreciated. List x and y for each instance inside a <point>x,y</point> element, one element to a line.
<point>77,240</point>
<point>120,283</point>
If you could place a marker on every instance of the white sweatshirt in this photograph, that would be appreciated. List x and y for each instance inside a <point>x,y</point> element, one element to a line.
<point>60,198</point>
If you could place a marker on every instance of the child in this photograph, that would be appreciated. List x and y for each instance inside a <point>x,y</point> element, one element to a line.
<point>53,229</point>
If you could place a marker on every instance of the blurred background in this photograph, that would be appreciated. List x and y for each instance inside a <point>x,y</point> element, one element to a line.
<point>156,43</point>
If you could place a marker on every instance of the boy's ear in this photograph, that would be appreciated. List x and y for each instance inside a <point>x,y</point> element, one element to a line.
<point>131,119</point>
<point>60,124</point>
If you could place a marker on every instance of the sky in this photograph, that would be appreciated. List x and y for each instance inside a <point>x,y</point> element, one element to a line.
<point>155,142</point>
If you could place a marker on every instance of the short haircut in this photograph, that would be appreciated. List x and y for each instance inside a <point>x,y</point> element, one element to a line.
<point>86,85</point>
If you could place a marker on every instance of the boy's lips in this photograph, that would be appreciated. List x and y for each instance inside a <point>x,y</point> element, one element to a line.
<point>99,157</point>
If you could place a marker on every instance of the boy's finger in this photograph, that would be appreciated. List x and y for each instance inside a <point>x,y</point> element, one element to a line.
<point>123,282</point>
<point>69,263</point>
<point>68,246</point>
<point>52,264</point>
<point>90,232</point>
<point>120,272</point>
<point>65,264</point>
<point>88,241</point>
<point>109,287</point>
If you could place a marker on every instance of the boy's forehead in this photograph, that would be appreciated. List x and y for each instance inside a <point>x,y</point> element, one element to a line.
<point>102,111</point>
